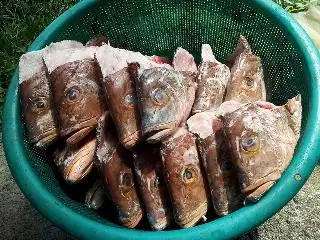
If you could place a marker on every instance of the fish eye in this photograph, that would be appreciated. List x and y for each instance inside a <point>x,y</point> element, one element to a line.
<point>72,94</point>
<point>189,174</point>
<point>226,165</point>
<point>250,143</point>
<point>249,82</point>
<point>159,97</point>
<point>39,104</point>
<point>129,100</point>
<point>127,179</point>
<point>156,182</point>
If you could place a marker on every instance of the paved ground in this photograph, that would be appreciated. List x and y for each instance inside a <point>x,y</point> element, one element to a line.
<point>300,219</point>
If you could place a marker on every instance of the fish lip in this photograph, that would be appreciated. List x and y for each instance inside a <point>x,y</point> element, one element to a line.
<point>46,138</point>
<point>160,224</point>
<point>131,140</point>
<point>192,219</point>
<point>72,139</point>
<point>132,222</point>
<point>83,171</point>
<point>92,122</point>
<point>273,176</point>
<point>156,133</point>
<point>70,179</point>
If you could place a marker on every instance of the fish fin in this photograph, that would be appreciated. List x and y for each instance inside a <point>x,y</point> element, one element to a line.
<point>242,46</point>
<point>294,113</point>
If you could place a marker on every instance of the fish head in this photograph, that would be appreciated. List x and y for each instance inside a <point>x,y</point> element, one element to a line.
<point>162,94</point>
<point>121,93</point>
<point>247,81</point>
<point>78,98</point>
<point>76,162</point>
<point>262,144</point>
<point>114,163</point>
<point>148,169</point>
<point>184,178</point>
<point>38,110</point>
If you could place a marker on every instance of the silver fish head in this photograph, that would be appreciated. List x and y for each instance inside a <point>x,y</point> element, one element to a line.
<point>162,96</point>
<point>262,139</point>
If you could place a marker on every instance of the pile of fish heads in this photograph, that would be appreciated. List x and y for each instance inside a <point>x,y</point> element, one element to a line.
<point>168,138</point>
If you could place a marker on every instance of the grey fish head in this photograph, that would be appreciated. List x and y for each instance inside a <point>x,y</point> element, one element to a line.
<point>162,94</point>
<point>262,144</point>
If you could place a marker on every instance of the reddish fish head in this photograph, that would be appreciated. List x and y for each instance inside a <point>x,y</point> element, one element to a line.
<point>212,81</point>
<point>76,162</point>
<point>162,96</point>
<point>217,161</point>
<point>148,169</point>
<point>78,97</point>
<point>262,138</point>
<point>121,93</point>
<point>36,100</point>
<point>184,179</point>
<point>115,164</point>
<point>247,81</point>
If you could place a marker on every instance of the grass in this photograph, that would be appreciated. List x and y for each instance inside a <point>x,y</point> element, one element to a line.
<point>20,23</point>
<point>294,6</point>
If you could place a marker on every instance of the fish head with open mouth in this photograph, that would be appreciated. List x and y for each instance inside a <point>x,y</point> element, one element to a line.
<point>213,78</point>
<point>184,179</point>
<point>247,81</point>
<point>149,174</point>
<point>76,81</point>
<point>162,95</point>
<point>36,100</point>
<point>75,162</point>
<point>114,163</point>
<point>262,139</point>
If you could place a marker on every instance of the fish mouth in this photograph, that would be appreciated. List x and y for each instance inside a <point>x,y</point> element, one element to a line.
<point>131,222</point>
<point>82,163</point>
<point>156,133</point>
<point>77,136</point>
<point>194,217</point>
<point>79,131</point>
<point>227,208</point>
<point>46,138</point>
<point>131,140</point>
<point>257,189</point>
<point>160,224</point>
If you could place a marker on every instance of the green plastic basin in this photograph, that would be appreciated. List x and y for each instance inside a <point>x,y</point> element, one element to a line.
<point>291,65</point>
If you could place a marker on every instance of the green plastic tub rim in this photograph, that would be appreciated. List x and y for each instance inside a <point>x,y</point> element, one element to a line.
<point>239,222</point>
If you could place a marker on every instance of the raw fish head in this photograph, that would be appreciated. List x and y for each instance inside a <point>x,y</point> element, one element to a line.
<point>148,169</point>
<point>75,162</point>
<point>36,100</point>
<point>262,138</point>
<point>163,97</point>
<point>213,77</point>
<point>114,163</point>
<point>78,97</point>
<point>247,81</point>
<point>182,172</point>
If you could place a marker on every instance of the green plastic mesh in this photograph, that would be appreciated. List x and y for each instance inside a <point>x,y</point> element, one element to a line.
<point>160,26</point>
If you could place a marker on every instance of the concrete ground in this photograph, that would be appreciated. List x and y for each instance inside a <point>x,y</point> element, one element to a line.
<point>300,219</point>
